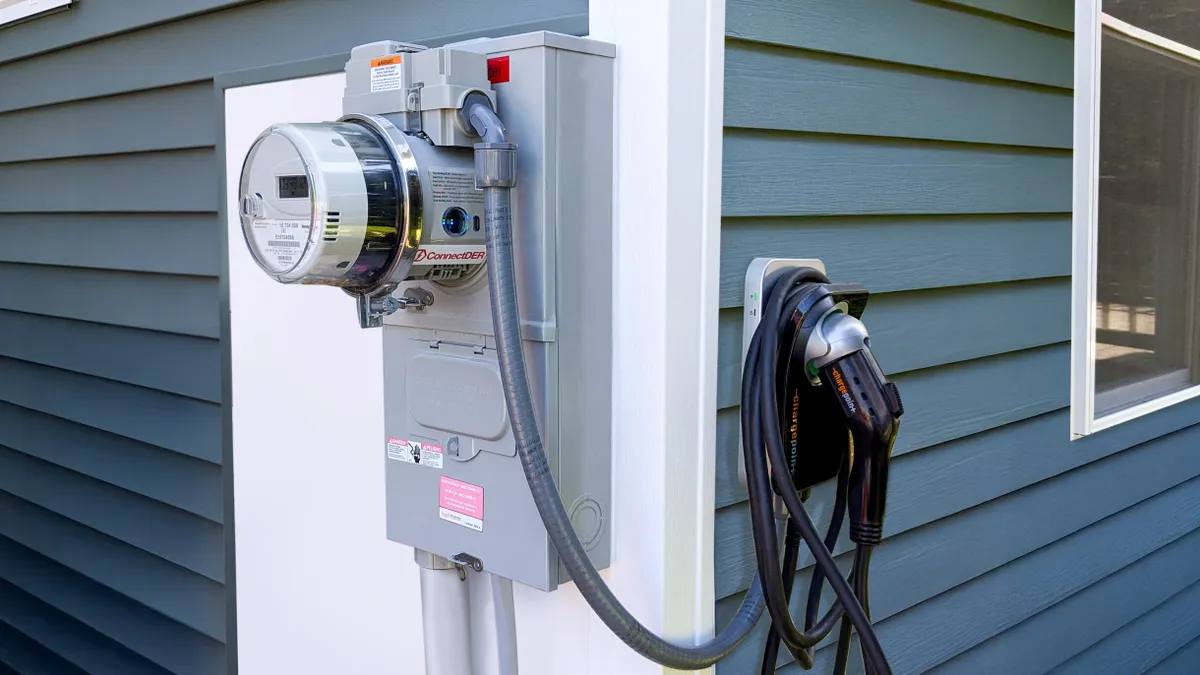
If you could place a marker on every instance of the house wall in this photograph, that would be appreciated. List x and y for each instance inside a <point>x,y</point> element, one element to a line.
<point>924,149</point>
<point>112,510</point>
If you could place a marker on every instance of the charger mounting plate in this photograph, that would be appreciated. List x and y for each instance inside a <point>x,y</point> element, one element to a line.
<point>758,274</point>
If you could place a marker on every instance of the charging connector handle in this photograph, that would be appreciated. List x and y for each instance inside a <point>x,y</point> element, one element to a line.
<point>494,159</point>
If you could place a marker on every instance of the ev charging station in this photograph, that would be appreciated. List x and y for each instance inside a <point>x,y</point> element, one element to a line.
<point>463,201</point>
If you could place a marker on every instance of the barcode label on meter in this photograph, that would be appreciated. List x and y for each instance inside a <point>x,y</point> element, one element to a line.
<point>279,242</point>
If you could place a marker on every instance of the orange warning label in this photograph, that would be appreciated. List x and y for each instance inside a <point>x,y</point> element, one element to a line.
<point>386,61</point>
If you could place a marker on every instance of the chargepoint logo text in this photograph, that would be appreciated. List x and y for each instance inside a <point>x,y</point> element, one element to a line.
<point>449,255</point>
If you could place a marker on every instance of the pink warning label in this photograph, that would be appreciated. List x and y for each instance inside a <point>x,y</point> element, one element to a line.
<point>461,503</point>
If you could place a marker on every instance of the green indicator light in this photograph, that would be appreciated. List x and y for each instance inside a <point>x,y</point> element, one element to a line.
<point>812,370</point>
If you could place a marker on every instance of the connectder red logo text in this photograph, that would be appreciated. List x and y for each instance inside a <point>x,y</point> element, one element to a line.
<point>427,256</point>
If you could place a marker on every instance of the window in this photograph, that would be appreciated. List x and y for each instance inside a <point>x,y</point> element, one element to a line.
<point>13,11</point>
<point>1136,325</point>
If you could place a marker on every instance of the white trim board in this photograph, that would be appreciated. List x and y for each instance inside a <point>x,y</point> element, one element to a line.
<point>669,128</point>
<point>12,11</point>
<point>312,571</point>
<point>1085,201</point>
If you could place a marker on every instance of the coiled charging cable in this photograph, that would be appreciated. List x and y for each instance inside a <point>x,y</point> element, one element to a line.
<point>762,441</point>
<point>496,175</point>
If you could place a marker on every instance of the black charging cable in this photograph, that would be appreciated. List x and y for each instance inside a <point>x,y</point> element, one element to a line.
<point>496,174</point>
<point>791,556</point>
<point>762,442</point>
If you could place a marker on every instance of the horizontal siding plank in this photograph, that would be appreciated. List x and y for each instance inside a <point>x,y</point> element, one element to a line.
<point>1143,643</point>
<point>777,174</point>
<point>926,611</point>
<point>972,322</point>
<point>121,63</point>
<point>935,36</point>
<point>140,182</point>
<point>172,645</point>
<point>173,422</point>
<point>172,478</point>
<point>186,540</point>
<point>1186,661</point>
<point>18,651</point>
<point>179,364</point>
<point>176,304</point>
<point>171,590</point>
<point>967,323</point>
<point>945,403</point>
<point>1053,13</point>
<point>168,243</point>
<point>902,254</point>
<point>954,476</point>
<point>1084,619</point>
<point>96,19</point>
<point>65,636</point>
<point>790,90</point>
<point>913,538</point>
<point>182,118</point>
<point>940,406</point>
<point>957,620</point>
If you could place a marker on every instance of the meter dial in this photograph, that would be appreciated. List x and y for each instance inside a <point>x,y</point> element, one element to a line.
<point>321,204</point>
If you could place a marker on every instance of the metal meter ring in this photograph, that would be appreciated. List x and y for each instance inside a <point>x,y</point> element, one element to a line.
<point>409,220</point>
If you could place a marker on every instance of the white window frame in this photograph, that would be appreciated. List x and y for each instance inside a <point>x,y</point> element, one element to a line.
<point>14,11</point>
<point>1090,23</point>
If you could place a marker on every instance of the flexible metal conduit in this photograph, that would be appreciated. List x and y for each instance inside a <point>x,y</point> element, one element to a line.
<point>495,172</point>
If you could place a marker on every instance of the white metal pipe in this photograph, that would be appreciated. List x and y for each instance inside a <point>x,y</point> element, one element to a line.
<point>505,615</point>
<point>446,616</point>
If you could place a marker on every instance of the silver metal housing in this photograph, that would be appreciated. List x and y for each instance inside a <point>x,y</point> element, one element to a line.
<point>364,210</point>
<point>837,336</point>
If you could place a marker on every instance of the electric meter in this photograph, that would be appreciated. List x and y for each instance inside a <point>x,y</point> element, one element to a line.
<point>359,204</point>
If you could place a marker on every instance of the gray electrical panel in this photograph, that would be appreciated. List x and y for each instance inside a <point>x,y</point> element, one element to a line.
<point>455,486</point>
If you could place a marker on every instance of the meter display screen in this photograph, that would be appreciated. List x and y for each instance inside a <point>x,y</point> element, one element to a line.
<point>293,187</point>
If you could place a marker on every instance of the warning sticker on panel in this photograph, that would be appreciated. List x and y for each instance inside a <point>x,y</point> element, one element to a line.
<point>415,452</point>
<point>461,503</point>
<point>454,186</point>
<point>385,73</point>
<point>280,243</point>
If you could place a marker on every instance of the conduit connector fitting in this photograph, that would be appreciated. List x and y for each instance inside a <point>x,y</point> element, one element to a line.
<point>495,165</point>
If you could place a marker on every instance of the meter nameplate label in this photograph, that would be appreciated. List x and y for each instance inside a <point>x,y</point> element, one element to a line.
<point>415,452</point>
<point>450,255</point>
<point>280,243</point>
<point>460,503</point>
<point>453,187</point>
<point>385,74</point>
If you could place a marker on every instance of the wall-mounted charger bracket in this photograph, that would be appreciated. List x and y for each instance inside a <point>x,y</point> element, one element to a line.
<point>817,449</point>
<point>759,277</point>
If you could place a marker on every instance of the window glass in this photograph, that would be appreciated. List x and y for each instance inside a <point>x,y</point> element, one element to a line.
<point>1149,129</point>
